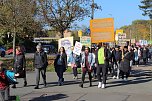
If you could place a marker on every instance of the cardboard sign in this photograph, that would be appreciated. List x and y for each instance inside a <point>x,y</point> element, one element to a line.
<point>66,43</point>
<point>102,30</point>
<point>86,41</point>
<point>77,48</point>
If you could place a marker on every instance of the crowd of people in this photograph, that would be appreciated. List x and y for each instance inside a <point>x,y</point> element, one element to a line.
<point>98,62</point>
<point>102,60</point>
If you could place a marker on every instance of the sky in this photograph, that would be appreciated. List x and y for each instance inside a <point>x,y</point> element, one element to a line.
<point>123,12</point>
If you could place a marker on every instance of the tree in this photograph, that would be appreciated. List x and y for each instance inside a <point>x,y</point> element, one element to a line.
<point>146,7</point>
<point>18,14</point>
<point>60,14</point>
<point>139,29</point>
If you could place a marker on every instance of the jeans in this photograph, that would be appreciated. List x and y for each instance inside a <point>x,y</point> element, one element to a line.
<point>101,69</point>
<point>75,71</point>
<point>43,73</point>
<point>59,71</point>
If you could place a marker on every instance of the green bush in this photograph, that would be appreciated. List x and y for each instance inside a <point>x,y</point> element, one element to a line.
<point>29,64</point>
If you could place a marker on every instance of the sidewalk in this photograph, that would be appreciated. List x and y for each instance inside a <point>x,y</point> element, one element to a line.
<point>138,88</point>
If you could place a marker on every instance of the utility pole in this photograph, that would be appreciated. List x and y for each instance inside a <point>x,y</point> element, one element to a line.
<point>150,33</point>
<point>14,31</point>
<point>92,6</point>
<point>130,37</point>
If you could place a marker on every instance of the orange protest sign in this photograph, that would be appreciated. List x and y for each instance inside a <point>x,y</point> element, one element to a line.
<point>102,30</point>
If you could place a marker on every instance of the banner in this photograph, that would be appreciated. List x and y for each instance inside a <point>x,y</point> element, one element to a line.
<point>143,42</point>
<point>77,48</point>
<point>86,41</point>
<point>102,30</point>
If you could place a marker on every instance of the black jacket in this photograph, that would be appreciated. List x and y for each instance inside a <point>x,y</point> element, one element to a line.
<point>63,59</point>
<point>125,63</point>
<point>116,55</point>
<point>19,63</point>
<point>40,60</point>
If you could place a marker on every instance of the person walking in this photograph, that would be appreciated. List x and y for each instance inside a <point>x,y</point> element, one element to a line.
<point>125,64</point>
<point>94,68</point>
<point>60,65</point>
<point>144,55</point>
<point>87,64</point>
<point>136,57</point>
<point>101,67</point>
<point>117,57</point>
<point>74,60</point>
<point>40,64</point>
<point>20,65</point>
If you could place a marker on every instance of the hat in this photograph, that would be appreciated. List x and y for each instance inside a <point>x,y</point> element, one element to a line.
<point>39,46</point>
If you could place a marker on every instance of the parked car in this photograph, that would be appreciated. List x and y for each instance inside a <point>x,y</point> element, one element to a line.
<point>2,52</point>
<point>49,49</point>
<point>9,51</point>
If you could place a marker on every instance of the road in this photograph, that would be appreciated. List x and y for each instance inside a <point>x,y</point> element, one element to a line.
<point>138,88</point>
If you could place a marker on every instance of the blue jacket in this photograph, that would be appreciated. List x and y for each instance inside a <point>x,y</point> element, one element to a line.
<point>91,60</point>
<point>72,58</point>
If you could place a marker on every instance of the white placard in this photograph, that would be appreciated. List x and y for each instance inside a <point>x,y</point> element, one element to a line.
<point>77,48</point>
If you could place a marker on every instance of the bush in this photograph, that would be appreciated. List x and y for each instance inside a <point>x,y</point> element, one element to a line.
<point>29,64</point>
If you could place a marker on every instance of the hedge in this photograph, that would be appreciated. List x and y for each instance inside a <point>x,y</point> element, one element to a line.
<point>29,64</point>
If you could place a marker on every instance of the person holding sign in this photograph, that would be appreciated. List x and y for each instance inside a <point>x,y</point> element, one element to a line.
<point>74,61</point>
<point>86,64</point>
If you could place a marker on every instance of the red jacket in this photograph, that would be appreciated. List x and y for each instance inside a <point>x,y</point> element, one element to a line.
<point>3,81</point>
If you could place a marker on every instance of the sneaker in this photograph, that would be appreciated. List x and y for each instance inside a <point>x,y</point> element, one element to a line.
<point>114,77</point>
<point>117,77</point>
<point>125,79</point>
<point>137,65</point>
<point>99,85</point>
<point>36,87</point>
<point>103,86</point>
<point>76,77</point>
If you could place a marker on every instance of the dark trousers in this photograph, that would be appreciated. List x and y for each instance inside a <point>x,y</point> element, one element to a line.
<point>59,71</point>
<point>4,94</point>
<point>137,62</point>
<point>75,71</point>
<point>94,72</point>
<point>43,73</point>
<point>84,71</point>
<point>123,74</point>
<point>101,69</point>
<point>144,60</point>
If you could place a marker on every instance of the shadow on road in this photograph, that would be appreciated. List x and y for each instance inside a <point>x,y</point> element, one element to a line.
<point>50,98</point>
<point>134,81</point>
